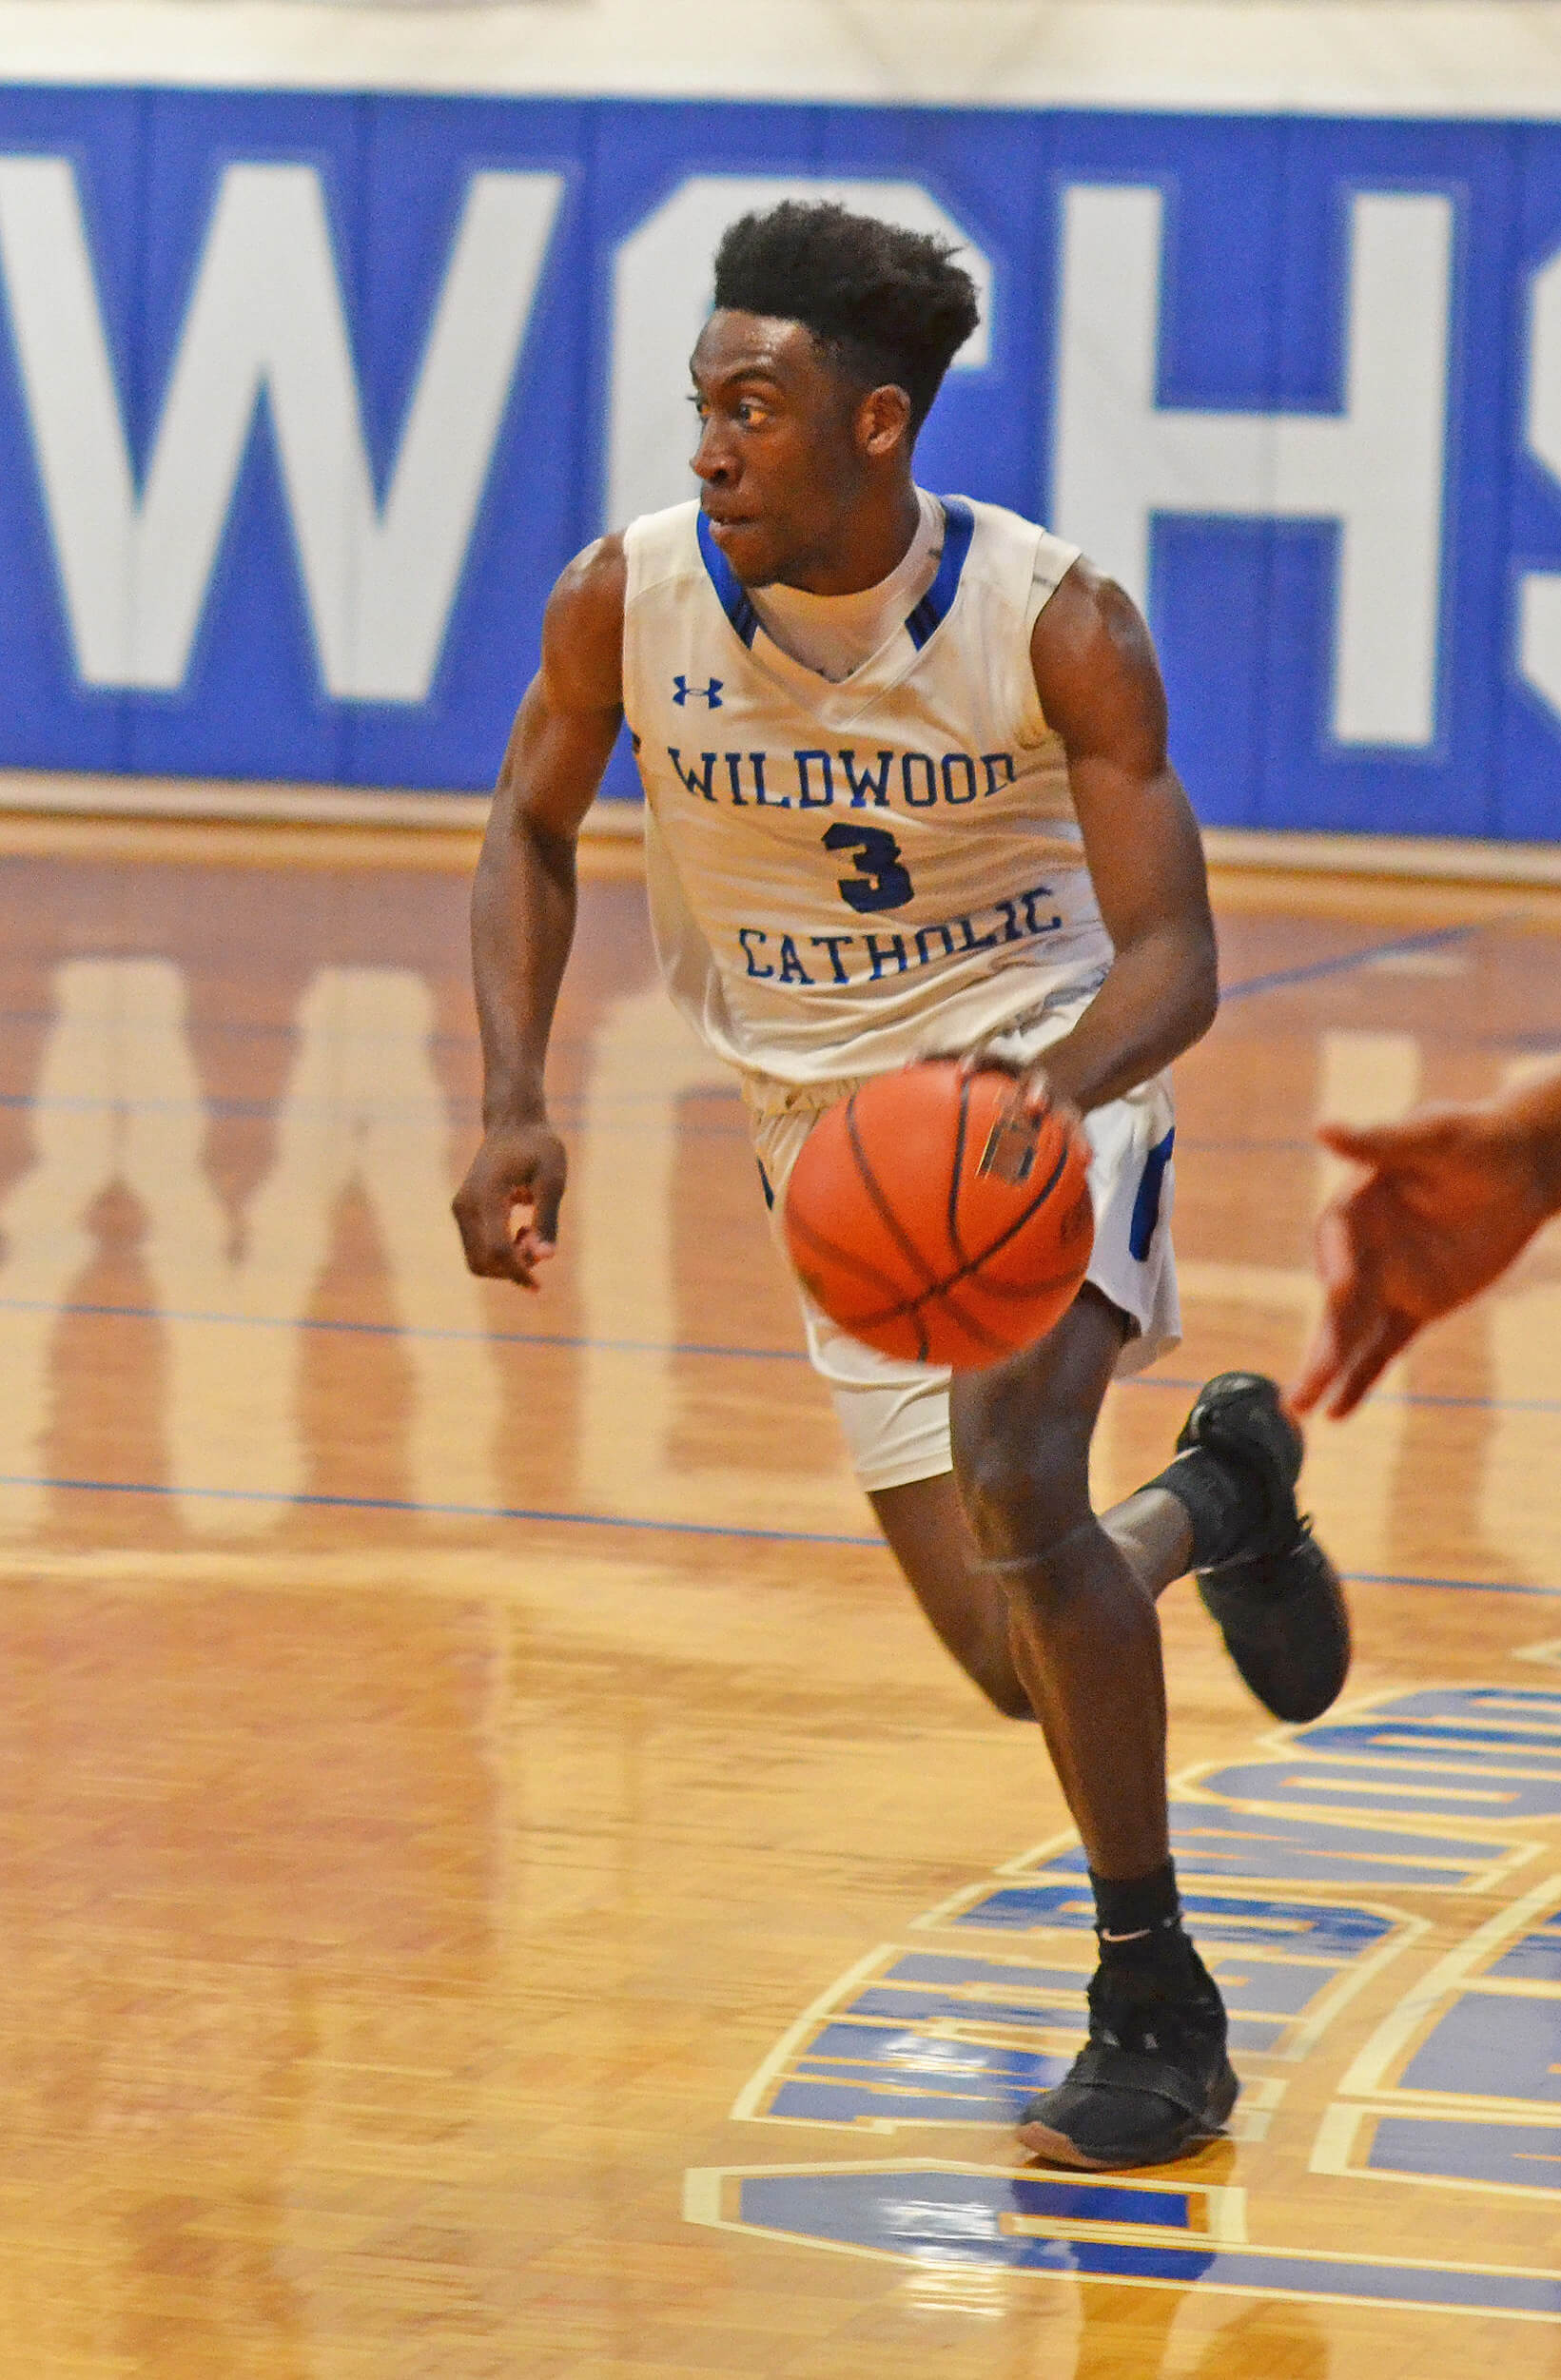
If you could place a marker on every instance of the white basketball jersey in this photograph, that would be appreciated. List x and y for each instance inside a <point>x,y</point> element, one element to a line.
<point>843,877</point>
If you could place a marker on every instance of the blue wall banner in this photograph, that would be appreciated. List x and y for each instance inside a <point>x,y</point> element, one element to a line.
<point>305,399</point>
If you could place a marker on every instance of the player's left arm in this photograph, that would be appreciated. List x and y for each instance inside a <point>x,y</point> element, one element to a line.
<point>1100,689</point>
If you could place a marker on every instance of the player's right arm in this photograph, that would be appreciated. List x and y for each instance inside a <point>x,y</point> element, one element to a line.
<point>524,913</point>
<point>1449,1197</point>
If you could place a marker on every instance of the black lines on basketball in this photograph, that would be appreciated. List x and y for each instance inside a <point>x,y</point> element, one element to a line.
<point>891,1174</point>
<point>974,1264</point>
<point>848,1259</point>
<point>807,1241</point>
<point>886,1216</point>
<point>1025,1293</point>
<point>956,1173</point>
<point>913,1309</point>
<point>977,1331</point>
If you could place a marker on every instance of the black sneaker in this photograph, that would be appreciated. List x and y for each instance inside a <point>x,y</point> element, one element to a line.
<point>1279,1601</point>
<point>1153,2078</point>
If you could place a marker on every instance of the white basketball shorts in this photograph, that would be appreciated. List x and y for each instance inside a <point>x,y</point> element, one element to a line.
<point>895,1414</point>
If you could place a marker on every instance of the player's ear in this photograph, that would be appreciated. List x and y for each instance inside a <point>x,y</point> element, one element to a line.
<point>883,420</point>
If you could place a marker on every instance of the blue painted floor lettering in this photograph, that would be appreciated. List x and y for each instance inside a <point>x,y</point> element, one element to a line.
<point>1535,1960</point>
<point>1533,1750</point>
<point>1024,2223</point>
<point>1401,1862</point>
<point>1212,1842</point>
<point>1520,1705</point>
<point>1525,2157</point>
<point>937,2039</point>
<point>1492,2046</point>
<point>1424,1790</point>
<point>1315,1929</point>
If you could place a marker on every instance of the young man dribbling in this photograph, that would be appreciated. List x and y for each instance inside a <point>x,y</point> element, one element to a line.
<point>908,794</point>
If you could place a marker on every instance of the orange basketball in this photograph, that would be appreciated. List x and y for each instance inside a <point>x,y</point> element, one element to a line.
<point>932,1217</point>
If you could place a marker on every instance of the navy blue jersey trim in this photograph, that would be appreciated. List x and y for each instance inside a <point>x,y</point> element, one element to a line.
<point>1141,1232</point>
<point>730,592</point>
<point>933,608</point>
<point>929,614</point>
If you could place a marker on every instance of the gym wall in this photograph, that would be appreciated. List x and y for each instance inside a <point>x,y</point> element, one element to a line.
<point>307,394</point>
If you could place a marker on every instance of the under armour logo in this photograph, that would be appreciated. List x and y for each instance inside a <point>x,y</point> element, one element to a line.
<point>683,692</point>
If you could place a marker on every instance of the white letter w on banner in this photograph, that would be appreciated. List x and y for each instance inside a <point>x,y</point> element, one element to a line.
<point>266,315</point>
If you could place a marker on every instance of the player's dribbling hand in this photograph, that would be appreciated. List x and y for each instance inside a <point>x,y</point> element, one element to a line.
<point>507,1207</point>
<point>1034,1090</point>
<point>1449,1199</point>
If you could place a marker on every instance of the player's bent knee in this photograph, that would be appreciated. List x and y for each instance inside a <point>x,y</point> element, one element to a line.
<point>1023,1501</point>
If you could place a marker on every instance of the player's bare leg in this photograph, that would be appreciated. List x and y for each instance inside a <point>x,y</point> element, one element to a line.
<point>1083,1634</point>
<point>1226,1508</point>
<point>931,1537</point>
<point>1153,2078</point>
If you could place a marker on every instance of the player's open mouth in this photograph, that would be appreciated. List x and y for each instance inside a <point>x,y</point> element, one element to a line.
<point>724,525</point>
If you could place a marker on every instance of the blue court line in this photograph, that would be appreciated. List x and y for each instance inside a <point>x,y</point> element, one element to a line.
<point>438,1512</point>
<point>314,1502</point>
<point>1463,1586</point>
<point>579,1342</point>
<point>397,1329</point>
<point>1405,1398</point>
<point>1345,963</point>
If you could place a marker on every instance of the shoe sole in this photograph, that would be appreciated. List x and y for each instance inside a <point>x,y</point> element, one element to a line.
<point>1188,2135</point>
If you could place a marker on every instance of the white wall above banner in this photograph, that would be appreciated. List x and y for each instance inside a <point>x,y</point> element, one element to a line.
<point>1368,57</point>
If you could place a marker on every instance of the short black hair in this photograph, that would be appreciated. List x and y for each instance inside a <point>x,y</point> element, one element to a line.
<point>890,305</point>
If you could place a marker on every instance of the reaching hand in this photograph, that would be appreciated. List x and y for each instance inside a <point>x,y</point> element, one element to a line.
<point>507,1207</point>
<point>1451,1197</point>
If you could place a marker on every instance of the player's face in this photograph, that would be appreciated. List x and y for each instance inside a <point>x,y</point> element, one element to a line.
<point>779,453</point>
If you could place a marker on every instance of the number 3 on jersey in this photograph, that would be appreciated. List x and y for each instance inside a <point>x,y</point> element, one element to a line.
<point>881,882</point>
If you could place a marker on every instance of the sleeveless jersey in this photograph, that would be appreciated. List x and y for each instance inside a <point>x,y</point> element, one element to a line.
<point>843,877</point>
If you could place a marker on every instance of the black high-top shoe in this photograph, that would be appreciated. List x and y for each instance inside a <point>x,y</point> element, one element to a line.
<point>1153,2078</point>
<point>1278,1598</point>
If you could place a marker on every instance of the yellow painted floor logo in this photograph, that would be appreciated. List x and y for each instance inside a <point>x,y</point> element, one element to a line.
<point>1379,1899</point>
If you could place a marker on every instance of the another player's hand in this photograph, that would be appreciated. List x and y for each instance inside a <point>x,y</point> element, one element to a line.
<point>507,1207</point>
<point>1450,1198</point>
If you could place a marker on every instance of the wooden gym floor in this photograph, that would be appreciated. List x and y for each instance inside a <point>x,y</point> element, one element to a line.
<point>497,1881</point>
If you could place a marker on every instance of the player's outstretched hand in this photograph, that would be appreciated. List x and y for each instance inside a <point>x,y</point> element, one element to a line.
<point>1449,1197</point>
<point>507,1207</point>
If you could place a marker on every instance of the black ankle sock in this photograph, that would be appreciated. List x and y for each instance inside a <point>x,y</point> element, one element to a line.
<point>1219,1500</point>
<point>1138,1915</point>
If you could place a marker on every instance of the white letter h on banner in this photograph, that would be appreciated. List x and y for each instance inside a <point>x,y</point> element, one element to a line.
<point>1378,468</point>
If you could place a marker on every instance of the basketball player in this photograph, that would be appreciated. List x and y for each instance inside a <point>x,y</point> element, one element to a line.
<point>1453,1194</point>
<point>906,793</point>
